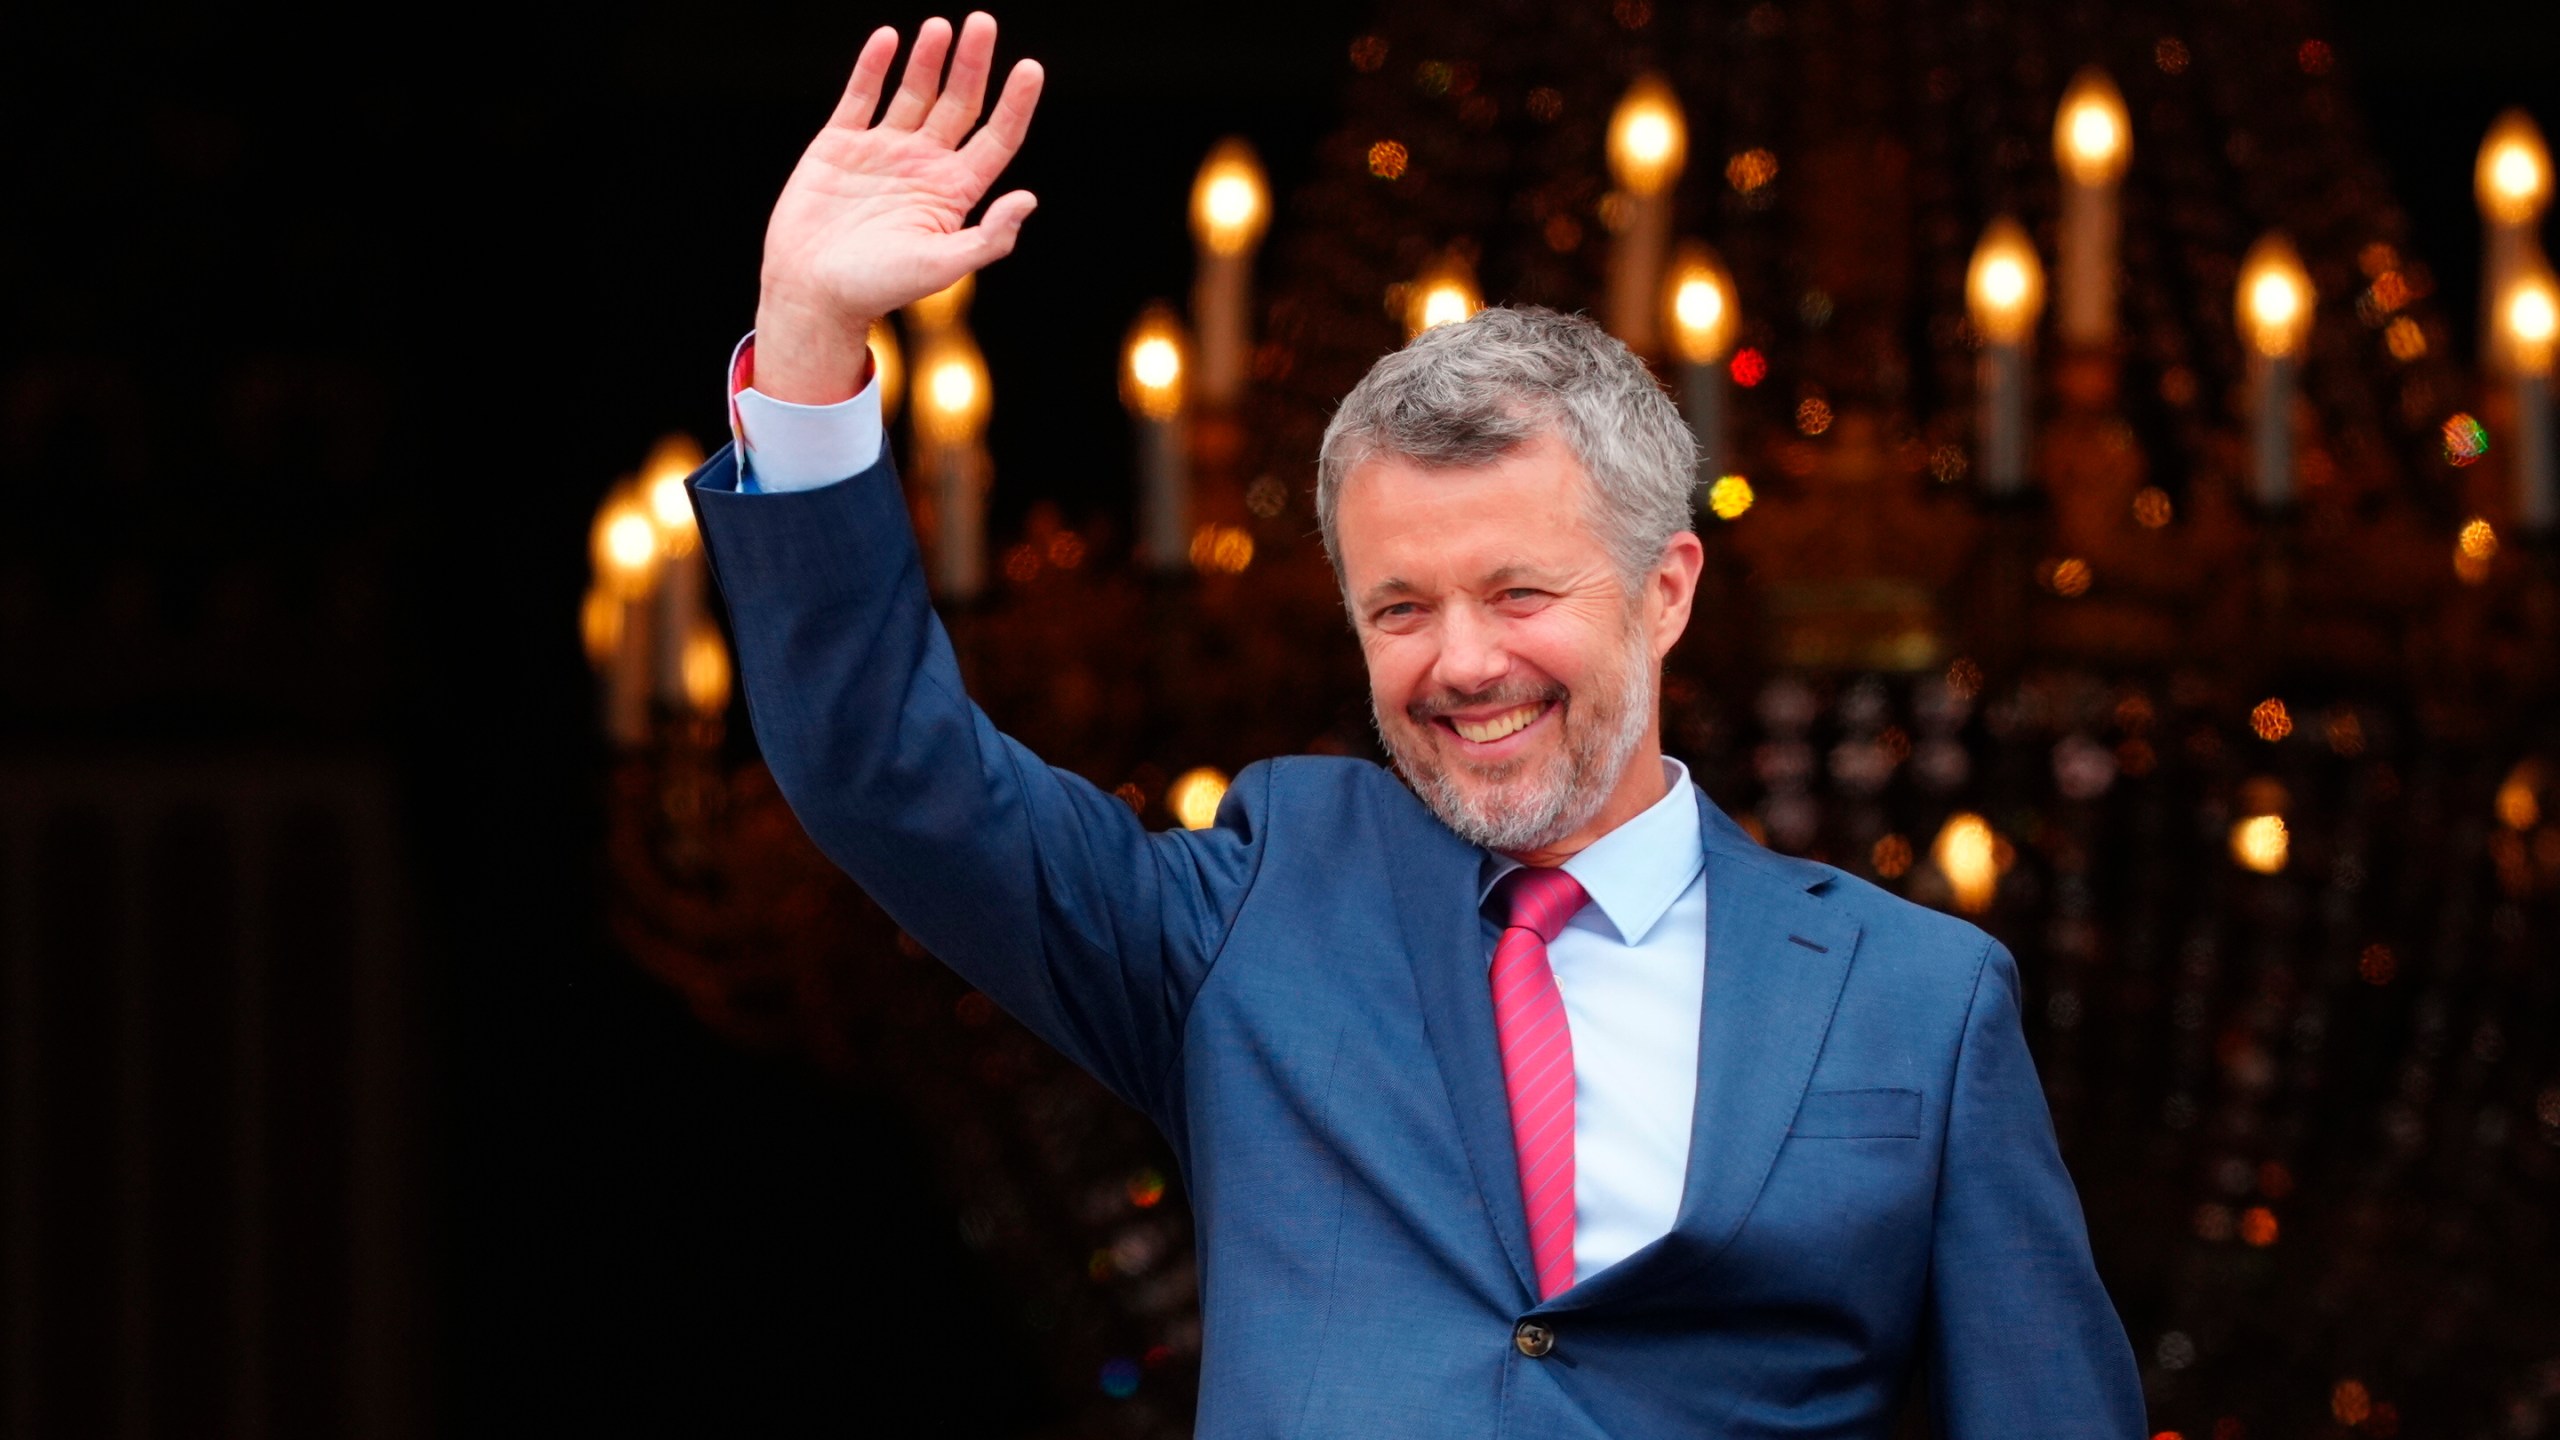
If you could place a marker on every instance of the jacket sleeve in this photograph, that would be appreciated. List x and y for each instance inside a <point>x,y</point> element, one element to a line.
<point>2022,1337</point>
<point>1035,885</point>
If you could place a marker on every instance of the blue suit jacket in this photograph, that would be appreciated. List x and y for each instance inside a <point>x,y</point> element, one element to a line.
<point>1297,996</point>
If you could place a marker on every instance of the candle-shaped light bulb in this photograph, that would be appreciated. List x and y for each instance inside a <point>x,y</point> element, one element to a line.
<point>953,397</point>
<point>1230,199</point>
<point>2532,323</point>
<point>1444,294</point>
<point>2004,285</point>
<point>624,541</point>
<point>1648,147</point>
<point>2512,176</point>
<point>2092,133</point>
<point>1703,320</point>
<point>2004,295</point>
<point>1230,210</point>
<point>2092,144</point>
<point>1648,137</point>
<point>2274,305</point>
<point>2274,299</point>
<point>1155,382</point>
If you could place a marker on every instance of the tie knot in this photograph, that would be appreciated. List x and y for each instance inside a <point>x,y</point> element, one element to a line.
<point>1541,898</point>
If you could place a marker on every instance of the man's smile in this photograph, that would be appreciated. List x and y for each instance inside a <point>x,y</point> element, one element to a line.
<point>1496,733</point>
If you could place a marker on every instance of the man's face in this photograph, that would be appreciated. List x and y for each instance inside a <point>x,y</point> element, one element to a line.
<point>1511,675</point>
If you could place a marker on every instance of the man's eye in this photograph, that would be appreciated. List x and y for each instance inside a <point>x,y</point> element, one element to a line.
<point>1400,608</point>
<point>1519,594</point>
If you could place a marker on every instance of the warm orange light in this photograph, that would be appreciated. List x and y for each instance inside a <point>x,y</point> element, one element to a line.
<point>671,462</point>
<point>2512,177</point>
<point>1221,549</point>
<point>1194,795</point>
<point>1444,295</point>
<point>706,673</point>
<point>1230,199</point>
<point>2092,134</point>
<point>1969,855</point>
<point>1154,364</point>
<point>1703,316</point>
<point>2275,297</point>
<point>2259,843</point>
<point>600,625</point>
<point>2531,315</point>
<point>2519,803</point>
<point>889,364</point>
<point>624,543</point>
<point>2474,547</point>
<point>2004,286</point>
<point>953,394</point>
<point>943,308</point>
<point>1648,137</point>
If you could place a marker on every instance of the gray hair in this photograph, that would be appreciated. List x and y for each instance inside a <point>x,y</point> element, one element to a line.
<point>1466,394</point>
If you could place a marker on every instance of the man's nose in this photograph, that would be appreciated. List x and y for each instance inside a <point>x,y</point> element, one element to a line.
<point>1471,656</point>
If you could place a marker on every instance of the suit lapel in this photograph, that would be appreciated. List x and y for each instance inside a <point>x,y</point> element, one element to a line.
<point>1776,959</point>
<point>1435,886</point>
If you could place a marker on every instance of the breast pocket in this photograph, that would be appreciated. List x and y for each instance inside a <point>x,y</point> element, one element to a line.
<point>1857,1115</point>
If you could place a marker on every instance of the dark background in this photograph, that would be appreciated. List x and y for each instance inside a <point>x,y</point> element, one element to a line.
<point>370,308</point>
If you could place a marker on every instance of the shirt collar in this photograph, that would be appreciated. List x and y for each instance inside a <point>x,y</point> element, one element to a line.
<point>1634,872</point>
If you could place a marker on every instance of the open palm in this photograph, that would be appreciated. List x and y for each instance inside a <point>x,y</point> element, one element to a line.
<point>876,213</point>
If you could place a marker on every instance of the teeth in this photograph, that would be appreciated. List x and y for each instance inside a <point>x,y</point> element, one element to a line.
<point>1485,731</point>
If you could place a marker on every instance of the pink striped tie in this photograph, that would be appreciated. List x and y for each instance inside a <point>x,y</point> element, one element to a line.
<point>1537,1062</point>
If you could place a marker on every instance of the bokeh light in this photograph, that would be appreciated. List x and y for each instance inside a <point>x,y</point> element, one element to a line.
<point>1194,795</point>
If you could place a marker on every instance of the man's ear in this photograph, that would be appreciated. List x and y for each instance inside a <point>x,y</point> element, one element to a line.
<point>1673,588</point>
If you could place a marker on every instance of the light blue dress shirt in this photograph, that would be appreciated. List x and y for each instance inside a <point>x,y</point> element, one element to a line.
<point>1631,966</point>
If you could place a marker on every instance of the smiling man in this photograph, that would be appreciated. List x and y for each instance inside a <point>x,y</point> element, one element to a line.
<point>1525,1095</point>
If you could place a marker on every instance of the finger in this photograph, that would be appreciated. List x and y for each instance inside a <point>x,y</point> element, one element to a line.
<point>994,146</point>
<point>923,79</point>
<point>870,76</point>
<point>966,90</point>
<point>991,239</point>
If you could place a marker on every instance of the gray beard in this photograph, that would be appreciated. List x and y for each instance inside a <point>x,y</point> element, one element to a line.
<point>1509,812</point>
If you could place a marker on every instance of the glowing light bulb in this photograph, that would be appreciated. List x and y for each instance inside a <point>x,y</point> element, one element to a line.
<point>1230,199</point>
<point>1194,795</point>
<point>1154,362</point>
<point>1648,137</point>
<point>954,396</point>
<point>2532,316</point>
<point>2512,178</point>
<point>2275,299</point>
<point>2004,286</point>
<point>2260,843</point>
<point>706,673</point>
<point>1968,853</point>
<point>2092,134</point>
<point>1444,295</point>
<point>1703,314</point>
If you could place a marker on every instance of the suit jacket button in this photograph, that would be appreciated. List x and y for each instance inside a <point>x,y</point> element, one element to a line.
<point>1534,1339</point>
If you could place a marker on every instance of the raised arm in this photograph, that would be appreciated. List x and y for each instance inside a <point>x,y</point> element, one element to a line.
<point>1034,884</point>
<point>876,213</point>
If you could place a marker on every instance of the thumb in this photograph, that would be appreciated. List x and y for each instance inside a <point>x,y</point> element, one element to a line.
<point>993,236</point>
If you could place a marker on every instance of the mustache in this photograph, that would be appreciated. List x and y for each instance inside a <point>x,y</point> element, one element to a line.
<point>1423,712</point>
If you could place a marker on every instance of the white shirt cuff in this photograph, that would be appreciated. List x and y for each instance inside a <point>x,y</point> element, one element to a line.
<point>801,447</point>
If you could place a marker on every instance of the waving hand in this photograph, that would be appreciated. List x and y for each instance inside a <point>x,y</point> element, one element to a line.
<point>875,214</point>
